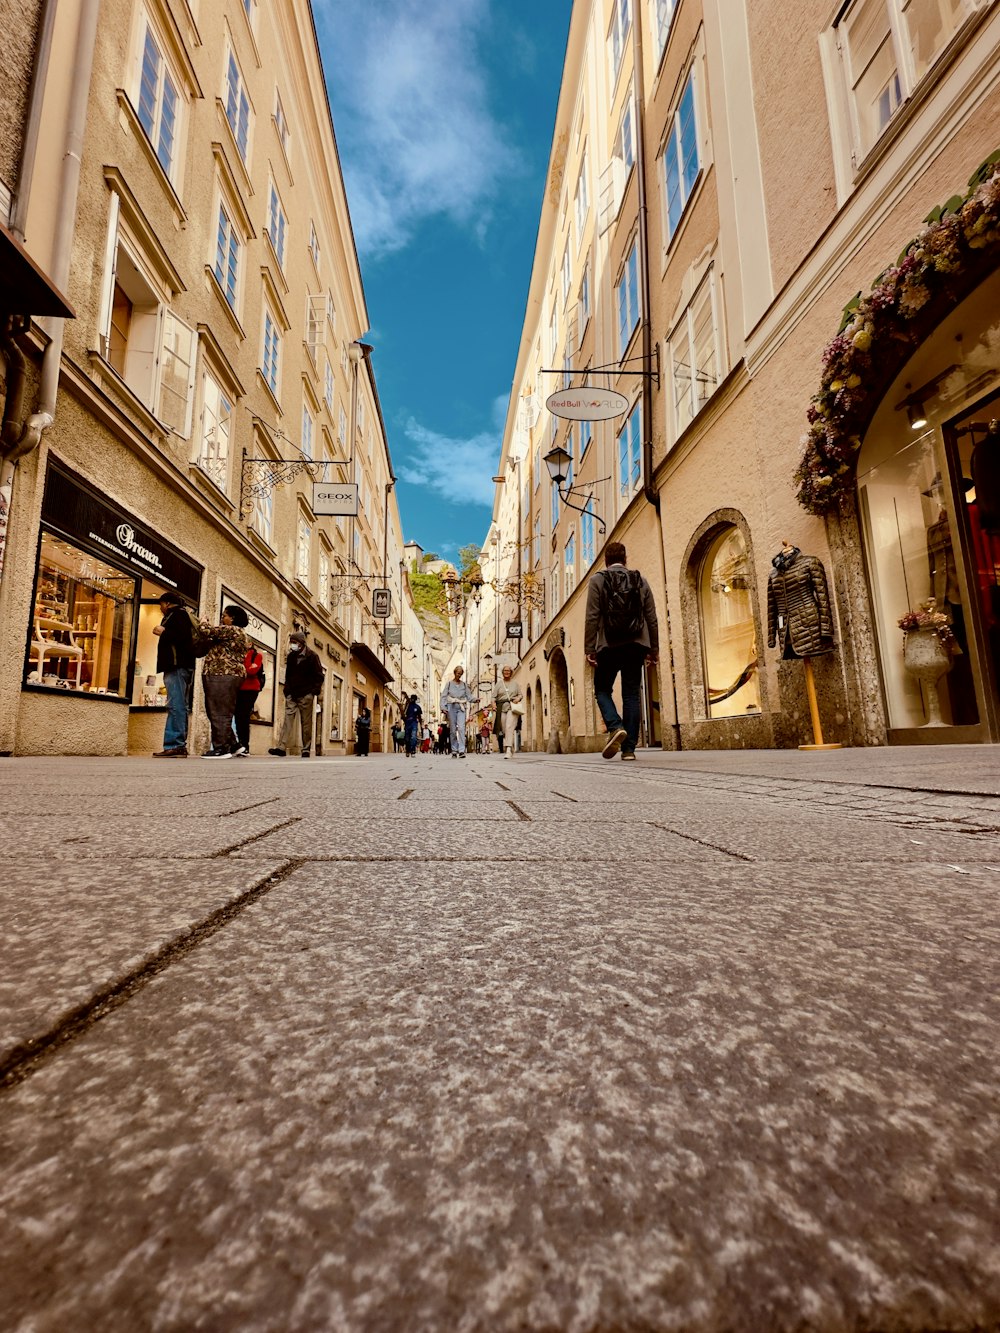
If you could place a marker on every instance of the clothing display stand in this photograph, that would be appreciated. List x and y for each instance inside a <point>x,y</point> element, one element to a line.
<point>818,742</point>
<point>799,619</point>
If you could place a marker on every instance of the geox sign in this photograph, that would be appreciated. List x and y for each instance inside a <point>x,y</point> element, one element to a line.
<point>338,498</point>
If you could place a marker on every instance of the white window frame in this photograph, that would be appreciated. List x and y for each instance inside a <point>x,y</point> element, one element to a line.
<point>152,104</point>
<point>270,356</point>
<point>569,564</point>
<point>663,20</point>
<point>215,431</point>
<point>566,273</point>
<point>160,349</point>
<point>328,385</point>
<point>676,153</point>
<point>621,26</point>
<point>236,103</point>
<point>281,125</point>
<point>277,225</point>
<point>586,436</point>
<point>323,590</point>
<point>684,373</point>
<point>588,544</point>
<point>261,518</point>
<point>314,250</point>
<point>229,247</point>
<point>308,443</point>
<point>627,300</point>
<point>584,301</point>
<point>303,554</point>
<point>581,200</point>
<point>629,454</point>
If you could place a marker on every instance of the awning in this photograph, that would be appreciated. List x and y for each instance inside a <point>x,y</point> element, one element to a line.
<point>363,655</point>
<point>24,288</point>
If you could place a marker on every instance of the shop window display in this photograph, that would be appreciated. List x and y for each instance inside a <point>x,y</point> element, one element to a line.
<point>911,543</point>
<point>81,626</point>
<point>729,633</point>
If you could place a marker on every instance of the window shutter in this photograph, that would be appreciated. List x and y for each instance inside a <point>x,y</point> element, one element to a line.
<point>177,357</point>
<point>110,272</point>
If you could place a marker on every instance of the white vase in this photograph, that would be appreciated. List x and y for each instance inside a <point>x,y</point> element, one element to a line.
<point>926,658</point>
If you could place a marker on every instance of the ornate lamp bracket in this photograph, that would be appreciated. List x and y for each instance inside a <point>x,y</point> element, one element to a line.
<point>260,476</point>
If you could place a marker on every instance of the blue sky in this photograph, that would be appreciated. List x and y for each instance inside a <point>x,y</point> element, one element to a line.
<point>444,111</point>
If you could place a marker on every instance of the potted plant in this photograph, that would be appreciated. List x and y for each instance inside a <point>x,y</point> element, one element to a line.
<point>929,650</point>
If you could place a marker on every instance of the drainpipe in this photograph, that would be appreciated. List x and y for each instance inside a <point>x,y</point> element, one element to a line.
<point>648,489</point>
<point>20,438</point>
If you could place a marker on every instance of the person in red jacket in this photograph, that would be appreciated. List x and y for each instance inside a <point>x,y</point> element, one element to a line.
<point>246,699</point>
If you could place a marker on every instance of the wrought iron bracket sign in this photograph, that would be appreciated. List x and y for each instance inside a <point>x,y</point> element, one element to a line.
<point>260,476</point>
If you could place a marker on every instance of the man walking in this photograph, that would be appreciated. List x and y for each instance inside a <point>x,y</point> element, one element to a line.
<point>620,635</point>
<point>412,719</point>
<point>175,659</point>
<point>303,681</point>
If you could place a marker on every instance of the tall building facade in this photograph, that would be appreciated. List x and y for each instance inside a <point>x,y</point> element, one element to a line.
<point>776,234</point>
<point>213,402</point>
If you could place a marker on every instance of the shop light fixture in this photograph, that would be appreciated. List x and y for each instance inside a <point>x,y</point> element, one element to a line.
<point>916,416</point>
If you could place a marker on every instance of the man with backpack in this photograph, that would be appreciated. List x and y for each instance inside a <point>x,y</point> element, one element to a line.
<point>620,635</point>
<point>304,677</point>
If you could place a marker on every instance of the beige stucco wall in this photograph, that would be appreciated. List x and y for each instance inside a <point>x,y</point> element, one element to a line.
<point>19,24</point>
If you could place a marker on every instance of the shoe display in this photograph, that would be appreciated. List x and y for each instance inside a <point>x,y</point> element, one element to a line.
<point>277,750</point>
<point>628,754</point>
<point>614,743</point>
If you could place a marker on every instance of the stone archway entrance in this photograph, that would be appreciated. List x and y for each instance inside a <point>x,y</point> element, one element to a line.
<point>538,729</point>
<point>560,741</point>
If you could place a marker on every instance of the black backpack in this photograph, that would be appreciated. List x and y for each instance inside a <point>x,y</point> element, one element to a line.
<point>622,612</point>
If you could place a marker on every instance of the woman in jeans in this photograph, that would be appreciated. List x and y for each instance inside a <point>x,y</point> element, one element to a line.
<point>455,700</point>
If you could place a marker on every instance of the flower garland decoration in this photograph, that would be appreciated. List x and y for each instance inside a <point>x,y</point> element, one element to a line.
<point>954,253</point>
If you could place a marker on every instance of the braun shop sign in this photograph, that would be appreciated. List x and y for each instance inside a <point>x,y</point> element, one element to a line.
<point>587,404</point>
<point>338,499</point>
<point>72,508</point>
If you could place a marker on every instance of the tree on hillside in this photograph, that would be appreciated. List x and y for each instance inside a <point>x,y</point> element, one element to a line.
<point>468,558</point>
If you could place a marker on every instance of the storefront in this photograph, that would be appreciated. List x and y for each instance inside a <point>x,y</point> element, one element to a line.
<point>99,575</point>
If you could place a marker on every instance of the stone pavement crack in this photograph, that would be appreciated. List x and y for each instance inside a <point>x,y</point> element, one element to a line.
<point>562,796</point>
<point>26,1058</point>
<point>255,806</point>
<point>209,791</point>
<point>255,837</point>
<point>501,786</point>
<point>702,842</point>
<point>521,814</point>
<point>409,792</point>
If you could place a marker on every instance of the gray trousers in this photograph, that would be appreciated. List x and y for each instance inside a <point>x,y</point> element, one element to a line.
<point>302,708</point>
<point>220,704</point>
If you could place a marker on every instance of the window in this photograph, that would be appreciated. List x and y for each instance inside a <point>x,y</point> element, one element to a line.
<point>250,7</point>
<point>582,201</point>
<point>342,426</point>
<point>680,157</point>
<point>569,565</point>
<point>158,102</point>
<point>554,590</point>
<point>227,256</point>
<point>665,10</point>
<point>270,352</point>
<point>216,424</point>
<point>693,355</point>
<point>621,23</point>
<point>308,431</point>
<point>237,106</point>
<point>314,245</point>
<point>149,347</point>
<point>262,516</point>
<point>331,311</point>
<point>553,330</point>
<point>624,149</point>
<point>323,591</point>
<point>554,497</point>
<point>587,547</point>
<point>628,301</point>
<point>281,125</point>
<point>729,636</point>
<point>276,225</point>
<point>537,470</point>
<point>630,454</point>
<point>314,325</point>
<point>586,435</point>
<point>567,375</point>
<point>328,384</point>
<point>584,300</point>
<point>537,540</point>
<point>886,47</point>
<point>567,273</point>
<point>302,542</point>
<point>361,415</point>
<point>81,629</point>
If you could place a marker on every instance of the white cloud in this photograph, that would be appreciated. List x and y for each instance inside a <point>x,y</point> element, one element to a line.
<point>414,127</point>
<point>458,470</point>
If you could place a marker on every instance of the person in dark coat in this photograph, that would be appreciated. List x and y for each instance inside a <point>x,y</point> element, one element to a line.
<point>175,658</point>
<point>362,731</point>
<point>304,676</point>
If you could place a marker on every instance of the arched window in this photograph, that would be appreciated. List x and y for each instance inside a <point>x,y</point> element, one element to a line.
<point>728,628</point>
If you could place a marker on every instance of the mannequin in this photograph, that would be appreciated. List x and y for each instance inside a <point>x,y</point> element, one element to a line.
<point>799,620</point>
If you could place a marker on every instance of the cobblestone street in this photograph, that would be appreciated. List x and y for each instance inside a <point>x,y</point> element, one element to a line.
<point>704,1043</point>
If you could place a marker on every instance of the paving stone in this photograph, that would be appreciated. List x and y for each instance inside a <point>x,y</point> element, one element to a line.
<point>82,836</point>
